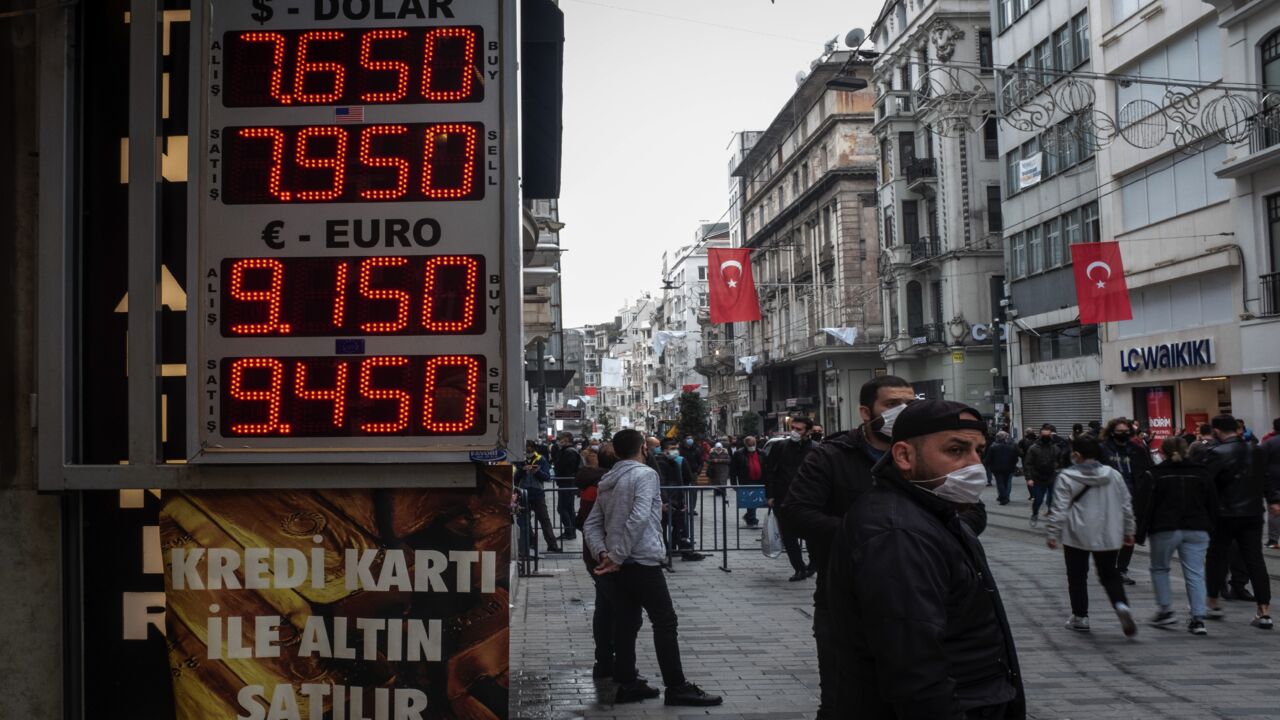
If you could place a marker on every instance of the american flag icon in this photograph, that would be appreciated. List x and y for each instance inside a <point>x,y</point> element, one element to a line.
<point>353,114</point>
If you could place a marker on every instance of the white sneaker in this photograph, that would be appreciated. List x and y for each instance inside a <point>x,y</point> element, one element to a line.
<point>1079,624</point>
<point>1126,620</point>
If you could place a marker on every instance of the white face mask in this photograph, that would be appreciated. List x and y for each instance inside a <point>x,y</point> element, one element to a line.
<point>751,448</point>
<point>888,418</point>
<point>795,435</point>
<point>673,453</point>
<point>962,486</point>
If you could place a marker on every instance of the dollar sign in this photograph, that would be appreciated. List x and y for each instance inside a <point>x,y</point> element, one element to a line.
<point>262,11</point>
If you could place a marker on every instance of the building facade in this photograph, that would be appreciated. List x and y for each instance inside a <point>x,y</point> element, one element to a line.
<point>809,217</point>
<point>939,198</point>
<point>1046,53</point>
<point>1195,214</point>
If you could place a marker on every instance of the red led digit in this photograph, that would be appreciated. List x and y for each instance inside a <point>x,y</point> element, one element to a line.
<point>456,425</point>
<point>337,163</point>
<point>369,159</point>
<point>401,69</point>
<point>304,67</point>
<point>336,394</point>
<point>272,296</point>
<point>277,158</point>
<point>270,395</point>
<point>368,391</point>
<point>278,43</point>
<point>439,135</point>
<point>472,280</point>
<point>400,297</point>
<point>340,296</point>
<point>467,70</point>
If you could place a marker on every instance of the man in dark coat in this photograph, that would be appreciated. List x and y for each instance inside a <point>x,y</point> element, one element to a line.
<point>832,477</point>
<point>1040,465</point>
<point>566,465</point>
<point>674,471</point>
<point>781,466</point>
<point>1237,474</point>
<point>922,630</point>
<point>1132,460</point>
<point>1001,460</point>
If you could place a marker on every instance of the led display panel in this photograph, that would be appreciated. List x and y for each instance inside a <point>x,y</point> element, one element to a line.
<point>355,197</point>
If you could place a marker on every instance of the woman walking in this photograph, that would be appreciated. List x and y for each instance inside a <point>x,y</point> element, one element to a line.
<point>1177,505</point>
<point>1092,514</point>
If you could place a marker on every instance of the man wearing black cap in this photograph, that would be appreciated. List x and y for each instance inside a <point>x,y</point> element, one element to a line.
<point>922,632</point>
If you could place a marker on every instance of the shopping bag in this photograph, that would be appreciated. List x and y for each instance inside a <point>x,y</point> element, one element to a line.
<point>771,537</point>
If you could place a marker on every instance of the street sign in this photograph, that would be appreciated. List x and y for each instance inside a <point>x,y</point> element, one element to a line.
<point>354,232</point>
<point>567,414</point>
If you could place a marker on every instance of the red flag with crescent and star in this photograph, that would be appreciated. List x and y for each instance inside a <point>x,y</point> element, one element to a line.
<point>1101,290</point>
<point>732,291</point>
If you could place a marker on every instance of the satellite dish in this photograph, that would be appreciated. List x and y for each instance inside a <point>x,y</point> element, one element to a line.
<point>800,77</point>
<point>855,37</point>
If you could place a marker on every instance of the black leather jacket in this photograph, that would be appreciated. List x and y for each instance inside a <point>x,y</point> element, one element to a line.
<point>1237,475</point>
<point>920,628</point>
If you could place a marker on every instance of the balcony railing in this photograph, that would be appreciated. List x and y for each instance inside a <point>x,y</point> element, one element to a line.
<point>930,334</point>
<point>1266,130</point>
<point>1269,290</point>
<point>925,248</point>
<point>921,169</point>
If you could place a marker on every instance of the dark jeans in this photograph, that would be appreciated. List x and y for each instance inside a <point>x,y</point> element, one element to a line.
<point>750,516</point>
<point>602,620</point>
<point>564,505</point>
<point>1122,560</point>
<point>792,545</point>
<point>1040,494</point>
<point>1004,485</point>
<point>1078,577</point>
<point>637,587</point>
<point>538,509</point>
<point>1247,533</point>
<point>828,659</point>
<point>681,519</point>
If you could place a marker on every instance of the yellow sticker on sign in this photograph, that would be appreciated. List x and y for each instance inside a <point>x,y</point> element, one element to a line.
<point>957,356</point>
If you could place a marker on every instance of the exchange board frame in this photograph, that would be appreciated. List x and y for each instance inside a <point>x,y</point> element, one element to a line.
<point>352,209</point>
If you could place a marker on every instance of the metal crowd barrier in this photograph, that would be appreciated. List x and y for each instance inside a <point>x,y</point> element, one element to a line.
<point>711,522</point>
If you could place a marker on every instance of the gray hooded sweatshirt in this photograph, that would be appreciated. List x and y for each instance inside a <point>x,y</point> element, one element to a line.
<point>627,518</point>
<point>1098,518</point>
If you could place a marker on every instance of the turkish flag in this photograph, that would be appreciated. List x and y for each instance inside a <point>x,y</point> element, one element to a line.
<point>1100,288</point>
<point>733,292</point>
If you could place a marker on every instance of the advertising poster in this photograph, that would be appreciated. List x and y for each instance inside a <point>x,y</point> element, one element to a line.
<point>339,604</point>
<point>1193,421</point>
<point>1160,414</point>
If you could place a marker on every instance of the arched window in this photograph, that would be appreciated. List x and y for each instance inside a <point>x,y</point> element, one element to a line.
<point>915,308</point>
<point>1270,121</point>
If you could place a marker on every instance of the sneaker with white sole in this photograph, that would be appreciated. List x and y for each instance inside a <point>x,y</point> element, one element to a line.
<point>1214,613</point>
<point>1262,622</point>
<point>1164,617</point>
<point>1127,624</point>
<point>1195,626</point>
<point>1079,624</point>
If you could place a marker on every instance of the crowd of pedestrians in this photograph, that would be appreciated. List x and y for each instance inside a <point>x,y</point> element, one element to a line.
<point>907,617</point>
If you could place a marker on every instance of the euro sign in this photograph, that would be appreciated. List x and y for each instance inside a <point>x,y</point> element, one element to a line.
<point>262,11</point>
<point>271,234</point>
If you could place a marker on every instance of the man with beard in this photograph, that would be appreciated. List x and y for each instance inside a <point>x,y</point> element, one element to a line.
<point>921,629</point>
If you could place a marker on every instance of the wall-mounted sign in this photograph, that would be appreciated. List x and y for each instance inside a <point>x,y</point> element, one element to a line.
<point>1168,356</point>
<point>981,332</point>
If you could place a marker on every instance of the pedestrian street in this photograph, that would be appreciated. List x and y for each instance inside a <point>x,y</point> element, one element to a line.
<point>746,635</point>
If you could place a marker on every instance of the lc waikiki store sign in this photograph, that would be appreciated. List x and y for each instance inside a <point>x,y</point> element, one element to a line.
<point>1169,356</point>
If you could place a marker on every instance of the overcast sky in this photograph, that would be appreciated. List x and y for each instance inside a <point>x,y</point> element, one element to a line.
<point>653,92</point>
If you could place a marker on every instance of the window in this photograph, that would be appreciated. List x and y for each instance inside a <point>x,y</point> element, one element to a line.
<point>1269,132</point>
<point>1273,231</point>
<point>702,272</point>
<point>1080,32</point>
<point>935,290</point>
<point>1092,225</point>
<point>886,173</point>
<point>795,185</point>
<point>1035,249</point>
<point>1063,57</point>
<point>1122,9</point>
<point>906,150</point>
<point>1053,243</point>
<point>804,174</point>
<point>1064,343</point>
<point>889,240</point>
<point>1052,150</point>
<point>1006,13</point>
<point>985,56</point>
<point>1019,243</point>
<point>991,139</point>
<point>995,214</point>
<point>1071,227</point>
<point>1195,55</point>
<point>915,307</point>
<point>1011,173</point>
<point>1172,186</point>
<point>1043,55</point>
